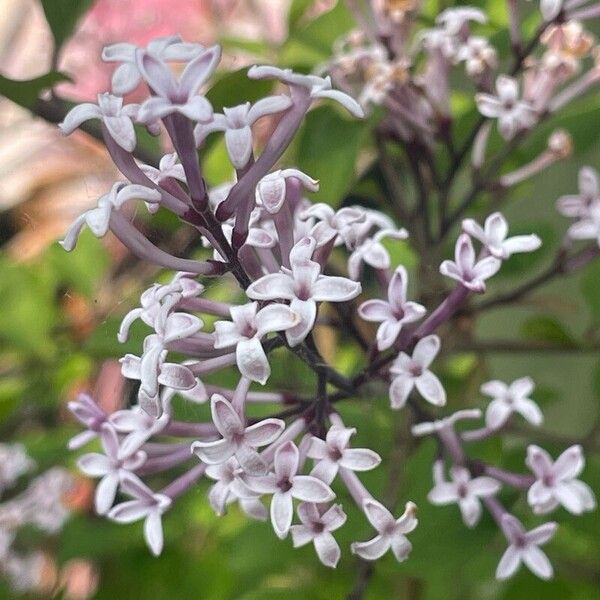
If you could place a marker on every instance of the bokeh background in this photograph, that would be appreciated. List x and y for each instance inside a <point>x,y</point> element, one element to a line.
<point>59,315</point>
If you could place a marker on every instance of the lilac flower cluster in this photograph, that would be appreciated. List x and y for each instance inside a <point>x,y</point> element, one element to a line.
<point>292,467</point>
<point>40,505</point>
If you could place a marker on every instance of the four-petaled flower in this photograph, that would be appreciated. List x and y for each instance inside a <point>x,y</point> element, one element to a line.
<point>410,372</point>
<point>304,286</point>
<point>284,483</point>
<point>579,205</point>
<point>247,327</point>
<point>110,110</point>
<point>556,482</point>
<point>318,87</point>
<point>513,114</point>
<point>466,269</point>
<point>127,76</point>
<point>168,168</point>
<point>238,440</point>
<point>332,223</point>
<point>177,96</point>
<point>89,413</point>
<point>394,313</point>
<point>463,490</point>
<point>231,486</point>
<point>493,236</point>
<point>317,525</point>
<point>98,219</point>
<point>391,532</point>
<point>508,399</point>
<point>524,547</point>
<point>110,467</point>
<point>334,453</point>
<point>147,505</point>
<point>236,122</point>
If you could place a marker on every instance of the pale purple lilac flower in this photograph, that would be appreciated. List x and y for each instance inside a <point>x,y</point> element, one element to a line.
<point>462,490</point>
<point>332,224</point>
<point>391,533</point>
<point>394,313</point>
<point>467,269</point>
<point>168,168</point>
<point>413,371</point>
<point>579,205</point>
<point>88,413</point>
<point>556,481</point>
<point>524,548</point>
<point>177,96</point>
<point>512,113</point>
<point>493,236</point>
<point>110,467</point>
<point>285,484</point>
<point>478,55</point>
<point>371,251</point>
<point>318,87</point>
<point>231,485</point>
<point>152,299</point>
<point>127,76</point>
<point>147,505</point>
<point>317,525</point>
<point>245,331</point>
<point>236,122</point>
<point>303,285</point>
<point>237,439</point>
<point>508,399</point>
<point>334,452</point>
<point>98,219</point>
<point>117,119</point>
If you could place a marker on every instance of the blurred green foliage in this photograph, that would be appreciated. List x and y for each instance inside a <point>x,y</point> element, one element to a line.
<point>42,357</point>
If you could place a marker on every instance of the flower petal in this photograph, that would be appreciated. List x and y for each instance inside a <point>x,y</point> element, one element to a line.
<point>311,489</point>
<point>509,563</point>
<point>373,549</point>
<point>431,388</point>
<point>282,511</point>
<point>327,548</point>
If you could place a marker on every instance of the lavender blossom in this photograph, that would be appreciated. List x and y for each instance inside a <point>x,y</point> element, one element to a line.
<point>493,236</point>
<point>147,505</point>
<point>524,548</point>
<point>394,313</point>
<point>466,269</point>
<point>556,482</point>
<point>285,483</point>
<point>333,453</point>
<point>248,326</point>
<point>463,490</point>
<point>237,440</point>
<point>507,399</point>
<point>413,371</point>
<point>317,525</point>
<point>513,114</point>
<point>304,286</point>
<point>391,533</point>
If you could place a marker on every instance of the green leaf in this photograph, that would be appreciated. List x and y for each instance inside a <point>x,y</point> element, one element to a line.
<point>327,150</point>
<point>26,92</point>
<point>62,16</point>
<point>547,329</point>
<point>235,88</point>
<point>591,290</point>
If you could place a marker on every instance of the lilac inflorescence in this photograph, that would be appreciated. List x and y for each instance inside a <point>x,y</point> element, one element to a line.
<point>278,245</point>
